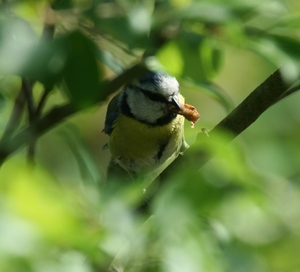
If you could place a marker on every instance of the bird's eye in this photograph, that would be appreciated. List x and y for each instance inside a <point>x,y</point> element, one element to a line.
<point>152,96</point>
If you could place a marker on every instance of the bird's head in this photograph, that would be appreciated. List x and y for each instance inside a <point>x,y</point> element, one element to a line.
<point>152,99</point>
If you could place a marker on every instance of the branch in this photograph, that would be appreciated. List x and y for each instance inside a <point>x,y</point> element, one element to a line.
<point>41,103</point>
<point>58,114</point>
<point>35,113</point>
<point>16,115</point>
<point>235,123</point>
<point>27,89</point>
<point>289,92</point>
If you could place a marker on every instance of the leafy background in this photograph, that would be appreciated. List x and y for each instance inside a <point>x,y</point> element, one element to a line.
<point>240,212</point>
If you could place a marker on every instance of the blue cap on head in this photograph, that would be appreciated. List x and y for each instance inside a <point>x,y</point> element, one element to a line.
<point>161,83</point>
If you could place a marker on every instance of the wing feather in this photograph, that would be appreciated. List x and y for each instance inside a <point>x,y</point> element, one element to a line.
<point>112,114</point>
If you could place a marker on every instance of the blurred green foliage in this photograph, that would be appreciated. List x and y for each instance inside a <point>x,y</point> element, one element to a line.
<point>240,212</point>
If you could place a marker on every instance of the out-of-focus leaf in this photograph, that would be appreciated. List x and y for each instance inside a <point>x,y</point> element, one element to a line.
<point>132,29</point>
<point>81,72</point>
<point>280,51</point>
<point>2,100</point>
<point>86,165</point>
<point>217,93</point>
<point>170,57</point>
<point>201,57</point>
<point>17,39</point>
<point>21,53</point>
<point>189,47</point>
<point>62,4</point>
<point>118,28</point>
<point>110,61</point>
<point>46,62</point>
<point>205,11</point>
<point>211,57</point>
<point>139,19</point>
<point>39,201</point>
<point>288,45</point>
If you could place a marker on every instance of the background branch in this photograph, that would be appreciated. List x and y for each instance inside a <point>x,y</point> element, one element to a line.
<point>27,89</point>
<point>35,112</point>
<point>16,115</point>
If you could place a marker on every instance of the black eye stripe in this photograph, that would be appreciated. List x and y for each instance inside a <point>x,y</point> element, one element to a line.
<point>153,96</point>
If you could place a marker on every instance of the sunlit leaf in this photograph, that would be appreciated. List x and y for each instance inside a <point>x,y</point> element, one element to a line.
<point>44,208</point>
<point>200,58</point>
<point>211,57</point>
<point>170,57</point>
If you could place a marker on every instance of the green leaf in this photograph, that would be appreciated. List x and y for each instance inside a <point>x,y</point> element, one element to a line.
<point>107,58</point>
<point>2,101</point>
<point>118,28</point>
<point>62,4</point>
<point>81,72</point>
<point>211,57</point>
<point>46,62</point>
<point>132,28</point>
<point>218,94</point>
<point>22,54</point>
<point>171,58</point>
<point>288,45</point>
<point>202,58</point>
<point>16,42</point>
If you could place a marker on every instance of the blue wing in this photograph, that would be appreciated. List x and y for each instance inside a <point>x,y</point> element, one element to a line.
<point>112,114</point>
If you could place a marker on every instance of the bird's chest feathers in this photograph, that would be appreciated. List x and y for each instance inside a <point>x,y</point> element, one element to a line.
<point>134,143</point>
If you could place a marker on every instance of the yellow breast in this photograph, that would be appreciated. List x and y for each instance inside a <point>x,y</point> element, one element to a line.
<point>136,145</point>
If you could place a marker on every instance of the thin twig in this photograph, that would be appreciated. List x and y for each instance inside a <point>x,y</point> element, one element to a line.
<point>16,115</point>
<point>27,89</point>
<point>31,116</point>
<point>289,92</point>
<point>42,102</point>
<point>37,115</point>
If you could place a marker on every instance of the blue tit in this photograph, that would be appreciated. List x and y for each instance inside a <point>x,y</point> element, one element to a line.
<point>144,130</point>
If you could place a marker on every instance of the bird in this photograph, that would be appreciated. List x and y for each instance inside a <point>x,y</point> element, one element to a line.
<point>145,132</point>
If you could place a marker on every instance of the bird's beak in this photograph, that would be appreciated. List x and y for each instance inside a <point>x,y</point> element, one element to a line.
<point>174,103</point>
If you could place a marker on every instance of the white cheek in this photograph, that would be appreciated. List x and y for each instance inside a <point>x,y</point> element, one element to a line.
<point>145,109</point>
